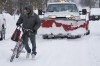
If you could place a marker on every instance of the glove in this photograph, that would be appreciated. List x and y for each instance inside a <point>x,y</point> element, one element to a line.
<point>17,24</point>
<point>34,31</point>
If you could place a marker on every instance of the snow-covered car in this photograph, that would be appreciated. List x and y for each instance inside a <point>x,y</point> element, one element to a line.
<point>94,14</point>
<point>2,27</point>
<point>62,19</point>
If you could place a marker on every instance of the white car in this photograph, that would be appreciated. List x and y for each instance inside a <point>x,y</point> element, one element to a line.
<point>94,14</point>
<point>2,27</point>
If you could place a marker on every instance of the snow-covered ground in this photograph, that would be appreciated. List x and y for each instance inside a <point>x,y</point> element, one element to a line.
<point>84,51</point>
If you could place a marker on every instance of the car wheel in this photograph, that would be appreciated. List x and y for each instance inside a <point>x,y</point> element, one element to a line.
<point>2,34</point>
<point>88,32</point>
<point>45,36</point>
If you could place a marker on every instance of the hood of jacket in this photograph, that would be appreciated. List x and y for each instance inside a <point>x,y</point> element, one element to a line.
<point>30,7</point>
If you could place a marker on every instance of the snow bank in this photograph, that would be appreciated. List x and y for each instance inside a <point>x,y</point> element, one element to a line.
<point>57,52</point>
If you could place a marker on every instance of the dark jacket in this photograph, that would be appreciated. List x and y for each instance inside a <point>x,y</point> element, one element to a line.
<point>31,21</point>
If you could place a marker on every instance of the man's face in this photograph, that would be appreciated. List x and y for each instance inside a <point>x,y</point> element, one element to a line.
<point>26,11</point>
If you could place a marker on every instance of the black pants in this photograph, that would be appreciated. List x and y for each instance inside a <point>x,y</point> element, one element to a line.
<point>32,38</point>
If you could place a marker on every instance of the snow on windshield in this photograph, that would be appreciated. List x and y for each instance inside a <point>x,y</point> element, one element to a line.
<point>62,7</point>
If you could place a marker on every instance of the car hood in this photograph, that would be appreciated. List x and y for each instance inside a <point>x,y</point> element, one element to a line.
<point>61,14</point>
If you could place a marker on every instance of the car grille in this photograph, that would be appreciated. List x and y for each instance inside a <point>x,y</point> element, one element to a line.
<point>62,18</point>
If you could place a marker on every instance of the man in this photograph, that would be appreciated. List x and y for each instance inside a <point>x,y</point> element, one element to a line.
<point>30,24</point>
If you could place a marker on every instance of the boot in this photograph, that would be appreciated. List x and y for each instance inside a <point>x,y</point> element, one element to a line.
<point>27,55</point>
<point>33,56</point>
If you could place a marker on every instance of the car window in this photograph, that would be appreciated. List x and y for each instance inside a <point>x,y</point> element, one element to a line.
<point>62,7</point>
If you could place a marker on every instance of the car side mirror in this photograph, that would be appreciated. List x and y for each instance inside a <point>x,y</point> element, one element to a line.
<point>43,11</point>
<point>40,12</point>
<point>84,11</point>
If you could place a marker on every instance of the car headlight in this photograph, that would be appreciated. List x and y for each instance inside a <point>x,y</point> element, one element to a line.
<point>70,17</point>
<point>52,16</point>
<point>73,17</point>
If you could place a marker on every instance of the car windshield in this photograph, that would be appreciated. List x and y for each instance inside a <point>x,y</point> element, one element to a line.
<point>62,7</point>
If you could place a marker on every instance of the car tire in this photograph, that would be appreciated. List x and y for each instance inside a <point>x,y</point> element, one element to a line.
<point>3,33</point>
<point>88,32</point>
<point>45,36</point>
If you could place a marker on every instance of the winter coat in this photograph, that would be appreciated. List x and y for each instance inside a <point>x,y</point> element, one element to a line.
<point>31,21</point>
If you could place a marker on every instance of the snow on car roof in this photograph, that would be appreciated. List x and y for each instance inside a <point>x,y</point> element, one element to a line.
<point>61,3</point>
<point>95,11</point>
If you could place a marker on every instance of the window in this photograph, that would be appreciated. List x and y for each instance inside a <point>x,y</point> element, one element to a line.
<point>62,7</point>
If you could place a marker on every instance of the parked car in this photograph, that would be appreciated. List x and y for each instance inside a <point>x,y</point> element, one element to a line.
<point>2,27</point>
<point>94,14</point>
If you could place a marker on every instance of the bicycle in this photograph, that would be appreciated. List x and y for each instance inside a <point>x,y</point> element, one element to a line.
<point>17,50</point>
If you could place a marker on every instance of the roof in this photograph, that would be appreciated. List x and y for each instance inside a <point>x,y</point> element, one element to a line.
<point>95,11</point>
<point>61,3</point>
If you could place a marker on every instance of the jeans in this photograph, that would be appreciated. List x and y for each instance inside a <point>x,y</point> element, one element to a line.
<point>32,38</point>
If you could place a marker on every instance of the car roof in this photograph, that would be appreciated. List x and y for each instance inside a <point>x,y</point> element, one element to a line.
<point>61,3</point>
<point>95,11</point>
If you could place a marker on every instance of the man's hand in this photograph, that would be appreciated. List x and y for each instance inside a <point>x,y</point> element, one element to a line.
<point>33,30</point>
<point>17,24</point>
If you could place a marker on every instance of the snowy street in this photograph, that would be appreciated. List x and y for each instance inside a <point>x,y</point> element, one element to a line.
<point>84,51</point>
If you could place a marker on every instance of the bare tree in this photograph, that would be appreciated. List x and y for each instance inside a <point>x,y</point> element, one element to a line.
<point>89,3</point>
<point>11,6</point>
<point>2,5</point>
